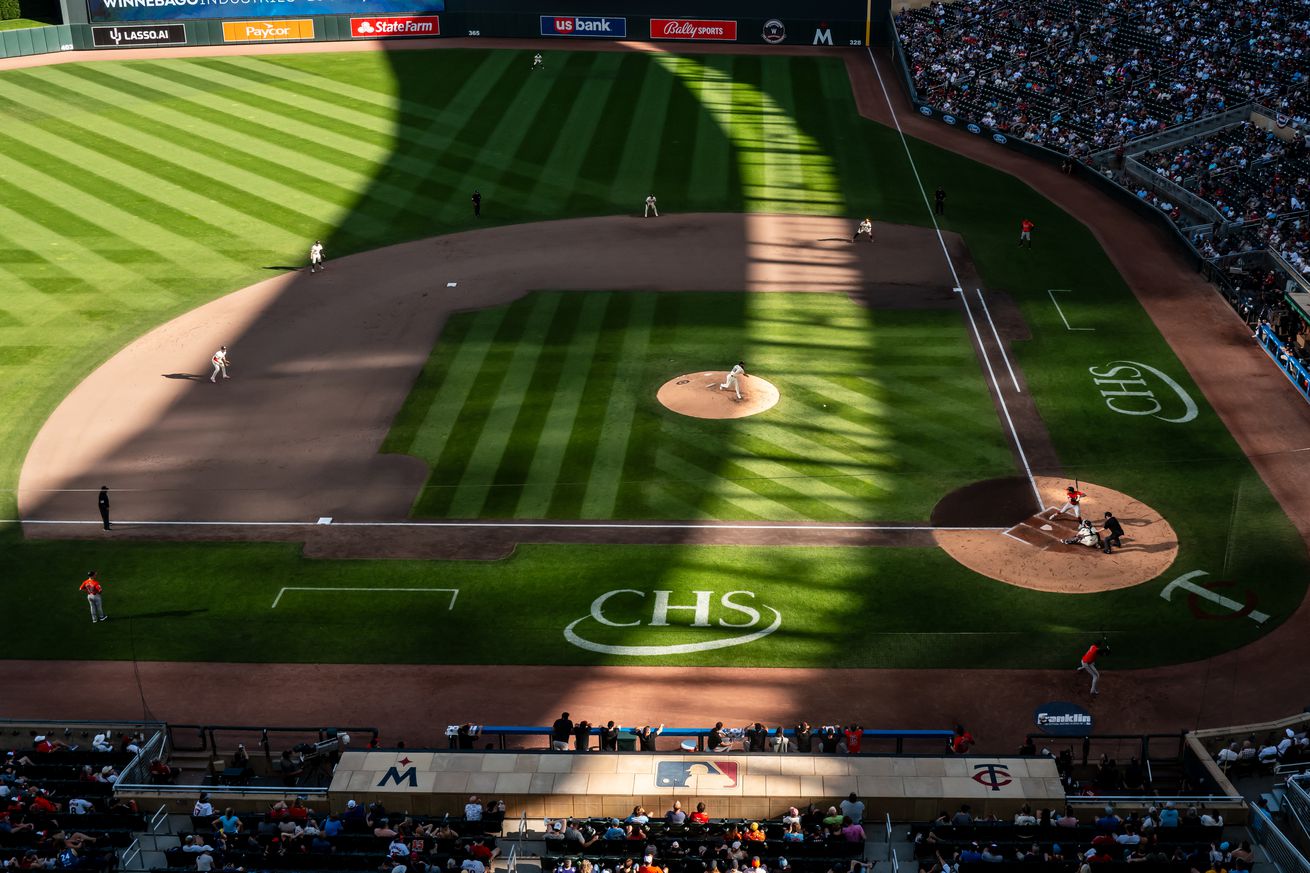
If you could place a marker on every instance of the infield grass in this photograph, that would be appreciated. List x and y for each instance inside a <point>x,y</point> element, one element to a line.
<point>133,191</point>
<point>546,409</point>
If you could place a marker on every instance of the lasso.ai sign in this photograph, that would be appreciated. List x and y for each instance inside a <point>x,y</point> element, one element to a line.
<point>734,618</point>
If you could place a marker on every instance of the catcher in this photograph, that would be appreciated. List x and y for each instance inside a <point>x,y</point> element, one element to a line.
<point>1086,536</point>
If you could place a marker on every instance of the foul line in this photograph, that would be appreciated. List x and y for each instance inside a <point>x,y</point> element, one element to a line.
<point>516,524</point>
<point>454,592</point>
<point>1051,293</point>
<point>1005,409</point>
<point>1000,345</point>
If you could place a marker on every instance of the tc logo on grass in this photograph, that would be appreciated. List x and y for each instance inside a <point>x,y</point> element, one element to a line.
<point>1127,390</point>
<point>732,613</point>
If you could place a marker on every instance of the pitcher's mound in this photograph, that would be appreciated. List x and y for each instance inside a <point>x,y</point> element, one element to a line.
<point>698,395</point>
<point>1032,554</point>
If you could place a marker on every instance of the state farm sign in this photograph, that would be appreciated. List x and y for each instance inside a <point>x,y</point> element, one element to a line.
<point>692,28</point>
<point>395,25</point>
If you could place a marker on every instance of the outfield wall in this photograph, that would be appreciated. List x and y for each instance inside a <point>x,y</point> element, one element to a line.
<point>110,24</point>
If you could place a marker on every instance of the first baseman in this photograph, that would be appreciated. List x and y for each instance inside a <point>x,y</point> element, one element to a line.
<point>650,207</point>
<point>220,363</point>
<point>737,372</point>
<point>865,229</point>
<point>92,588</point>
<point>316,257</point>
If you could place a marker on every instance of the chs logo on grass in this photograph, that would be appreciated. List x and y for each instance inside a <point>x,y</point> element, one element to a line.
<point>691,28</point>
<point>584,25</point>
<point>629,608</point>
<point>395,25</point>
<point>1132,388</point>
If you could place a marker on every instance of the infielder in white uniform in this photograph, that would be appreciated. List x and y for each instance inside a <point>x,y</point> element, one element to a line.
<point>865,229</point>
<point>220,364</point>
<point>650,207</point>
<point>316,257</point>
<point>737,372</point>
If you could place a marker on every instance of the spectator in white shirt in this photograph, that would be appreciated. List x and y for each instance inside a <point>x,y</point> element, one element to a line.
<point>853,808</point>
<point>196,844</point>
<point>101,743</point>
<point>203,807</point>
<point>80,806</point>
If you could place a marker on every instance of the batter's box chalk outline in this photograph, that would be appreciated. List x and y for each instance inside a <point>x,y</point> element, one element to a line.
<point>453,592</point>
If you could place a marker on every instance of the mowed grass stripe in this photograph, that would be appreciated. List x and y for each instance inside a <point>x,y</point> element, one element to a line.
<point>734,470</point>
<point>712,171</point>
<point>450,471</point>
<point>496,162</point>
<point>123,202</point>
<point>285,184</point>
<point>744,503</point>
<point>443,414</point>
<point>145,292</point>
<point>618,123</point>
<point>290,150</point>
<point>563,150</point>
<point>850,476</point>
<point>676,150</point>
<point>553,440</point>
<point>812,117</point>
<point>643,136</point>
<point>579,457</point>
<point>511,475</point>
<point>380,133</point>
<point>174,197</point>
<point>510,412</point>
<point>612,447</point>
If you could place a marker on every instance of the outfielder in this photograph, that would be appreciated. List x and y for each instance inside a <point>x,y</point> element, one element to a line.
<point>737,373</point>
<point>220,363</point>
<point>1071,498</point>
<point>650,207</point>
<point>537,62</point>
<point>316,257</point>
<point>865,229</point>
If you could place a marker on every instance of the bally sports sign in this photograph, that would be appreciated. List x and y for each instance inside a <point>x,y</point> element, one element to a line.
<point>692,28</point>
<point>381,26</point>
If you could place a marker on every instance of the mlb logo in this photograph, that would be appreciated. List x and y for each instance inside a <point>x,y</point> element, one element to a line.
<point>697,775</point>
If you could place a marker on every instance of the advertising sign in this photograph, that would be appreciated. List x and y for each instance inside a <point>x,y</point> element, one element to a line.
<point>134,37</point>
<point>268,31</point>
<point>692,28</point>
<point>1062,719</point>
<point>167,10</point>
<point>383,26</point>
<point>584,25</point>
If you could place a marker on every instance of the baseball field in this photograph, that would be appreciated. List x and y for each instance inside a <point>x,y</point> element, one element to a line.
<point>132,193</point>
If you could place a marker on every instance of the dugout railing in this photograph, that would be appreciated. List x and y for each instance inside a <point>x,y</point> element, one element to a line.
<point>694,739</point>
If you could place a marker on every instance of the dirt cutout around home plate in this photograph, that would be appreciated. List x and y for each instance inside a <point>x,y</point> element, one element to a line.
<point>1031,552</point>
<point>700,395</point>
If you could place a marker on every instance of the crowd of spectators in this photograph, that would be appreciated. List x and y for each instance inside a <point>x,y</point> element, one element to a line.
<point>809,840</point>
<point>1085,75</point>
<point>57,810</point>
<point>292,836</point>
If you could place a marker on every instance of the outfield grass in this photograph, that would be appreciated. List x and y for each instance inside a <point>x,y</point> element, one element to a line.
<point>546,408</point>
<point>133,191</point>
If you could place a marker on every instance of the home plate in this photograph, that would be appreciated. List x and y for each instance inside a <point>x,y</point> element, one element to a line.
<point>451,284</point>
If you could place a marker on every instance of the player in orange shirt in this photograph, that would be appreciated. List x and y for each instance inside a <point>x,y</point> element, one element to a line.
<point>1088,663</point>
<point>1072,496</point>
<point>1026,233</point>
<point>92,588</point>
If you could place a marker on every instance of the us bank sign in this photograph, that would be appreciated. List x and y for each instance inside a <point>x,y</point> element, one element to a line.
<point>737,613</point>
<point>1132,388</point>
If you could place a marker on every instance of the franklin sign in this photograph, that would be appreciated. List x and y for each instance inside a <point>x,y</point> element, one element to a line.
<point>733,612</point>
<point>1130,388</point>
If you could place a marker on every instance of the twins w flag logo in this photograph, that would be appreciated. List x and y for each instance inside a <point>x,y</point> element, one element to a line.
<point>696,774</point>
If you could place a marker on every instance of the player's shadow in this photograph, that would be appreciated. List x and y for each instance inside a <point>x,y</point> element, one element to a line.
<point>282,267</point>
<point>194,377</point>
<point>166,613</point>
